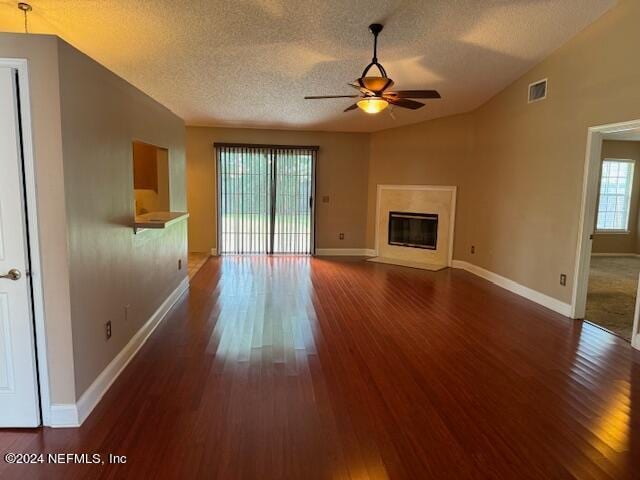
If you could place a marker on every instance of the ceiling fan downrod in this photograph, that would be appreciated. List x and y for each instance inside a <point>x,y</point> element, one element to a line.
<point>375,29</point>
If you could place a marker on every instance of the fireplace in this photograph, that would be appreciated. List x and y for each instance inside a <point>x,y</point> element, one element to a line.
<point>416,230</point>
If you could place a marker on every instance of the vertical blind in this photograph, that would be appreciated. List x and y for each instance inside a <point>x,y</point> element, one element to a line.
<point>265,199</point>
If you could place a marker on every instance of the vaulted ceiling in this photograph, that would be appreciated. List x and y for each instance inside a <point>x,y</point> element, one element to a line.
<point>251,62</point>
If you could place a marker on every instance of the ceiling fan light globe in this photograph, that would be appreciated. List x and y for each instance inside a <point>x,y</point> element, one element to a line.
<point>375,84</point>
<point>372,105</point>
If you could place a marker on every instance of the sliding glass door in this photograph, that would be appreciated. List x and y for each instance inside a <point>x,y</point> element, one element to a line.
<point>265,199</point>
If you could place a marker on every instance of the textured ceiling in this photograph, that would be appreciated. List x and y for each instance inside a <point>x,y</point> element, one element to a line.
<point>251,62</point>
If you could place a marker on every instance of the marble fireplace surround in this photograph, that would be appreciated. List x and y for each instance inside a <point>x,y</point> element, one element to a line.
<point>435,199</point>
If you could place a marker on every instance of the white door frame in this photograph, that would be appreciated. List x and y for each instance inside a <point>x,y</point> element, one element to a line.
<point>434,188</point>
<point>35,270</point>
<point>586,227</point>
<point>635,333</point>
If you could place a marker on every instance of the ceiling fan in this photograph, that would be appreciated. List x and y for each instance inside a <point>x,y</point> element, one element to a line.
<point>374,95</point>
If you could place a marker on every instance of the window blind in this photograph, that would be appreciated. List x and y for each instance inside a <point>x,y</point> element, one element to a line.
<point>265,199</point>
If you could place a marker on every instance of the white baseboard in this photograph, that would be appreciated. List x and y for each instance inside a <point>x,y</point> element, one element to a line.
<point>508,284</point>
<point>345,252</point>
<point>63,415</point>
<point>335,252</point>
<point>74,415</point>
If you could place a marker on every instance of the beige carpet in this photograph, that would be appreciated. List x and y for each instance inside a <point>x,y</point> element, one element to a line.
<point>611,298</point>
<point>407,263</point>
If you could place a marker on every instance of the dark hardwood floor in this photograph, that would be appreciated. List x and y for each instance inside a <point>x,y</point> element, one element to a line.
<point>299,368</point>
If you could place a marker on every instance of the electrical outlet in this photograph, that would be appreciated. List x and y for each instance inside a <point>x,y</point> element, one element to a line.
<point>107,329</point>
<point>473,249</point>
<point>341,236</point>
<point>325,199</point>
<point>179,264</point>
<point>563,279</point>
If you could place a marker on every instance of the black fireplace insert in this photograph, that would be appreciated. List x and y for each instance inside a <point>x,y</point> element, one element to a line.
<point>417,230</point>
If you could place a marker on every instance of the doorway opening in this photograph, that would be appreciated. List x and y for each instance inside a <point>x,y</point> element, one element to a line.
<point>265,199</point>
<point>608,262</point>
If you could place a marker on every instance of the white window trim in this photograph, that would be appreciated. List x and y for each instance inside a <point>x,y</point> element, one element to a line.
<point>615,231</point>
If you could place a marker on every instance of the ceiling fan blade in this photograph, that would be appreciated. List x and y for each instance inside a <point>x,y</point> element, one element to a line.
<point>331,96</point>
<point>405,103</point>
<point>414,94</point>
<point>352,107</point>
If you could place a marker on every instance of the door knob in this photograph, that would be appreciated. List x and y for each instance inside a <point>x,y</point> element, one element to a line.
<point>13,274</point>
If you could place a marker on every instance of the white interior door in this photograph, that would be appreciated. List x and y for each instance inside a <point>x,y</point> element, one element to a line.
<point>19,402</point>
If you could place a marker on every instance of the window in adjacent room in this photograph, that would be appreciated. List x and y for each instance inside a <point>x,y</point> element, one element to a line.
<point>616,184</point>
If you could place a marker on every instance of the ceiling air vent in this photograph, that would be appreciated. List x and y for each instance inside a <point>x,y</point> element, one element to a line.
<point>538,91</point>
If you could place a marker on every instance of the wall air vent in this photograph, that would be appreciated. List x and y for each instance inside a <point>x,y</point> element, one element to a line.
<point>538,91</point>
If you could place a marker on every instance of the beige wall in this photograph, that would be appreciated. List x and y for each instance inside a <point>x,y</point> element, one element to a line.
<point>622,242</point>
<point>521,180</point>
<point>530,158</point>
<point>341,174</point>
<point>437,152</point>
<point>41,51</point>
<point>110,267</point>
<point>84,119</point>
